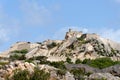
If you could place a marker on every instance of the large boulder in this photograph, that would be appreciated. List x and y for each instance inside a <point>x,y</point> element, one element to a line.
<point>87,68</point>
<point>99,76</point>
<point>114,70</point>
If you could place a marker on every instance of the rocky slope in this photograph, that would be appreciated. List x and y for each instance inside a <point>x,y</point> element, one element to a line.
<point>76,45</point>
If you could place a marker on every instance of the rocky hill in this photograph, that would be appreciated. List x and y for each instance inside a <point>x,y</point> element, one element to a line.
<point>76,46</point>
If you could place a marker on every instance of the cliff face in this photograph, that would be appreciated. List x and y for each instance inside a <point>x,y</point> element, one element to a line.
<point>76,45</point>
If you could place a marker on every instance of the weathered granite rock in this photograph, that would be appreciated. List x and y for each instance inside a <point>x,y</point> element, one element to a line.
<point>75,45</point>
<point>69,76</point>
<point>107,76</point>
<point>114,70</point>
<point>9,69</point>
<point>86,67</point>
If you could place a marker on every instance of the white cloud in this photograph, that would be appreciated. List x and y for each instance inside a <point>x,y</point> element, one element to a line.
<point>34,14</point>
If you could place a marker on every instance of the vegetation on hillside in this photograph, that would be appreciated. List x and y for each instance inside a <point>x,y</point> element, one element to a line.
<point>18,54</point>
<point>78,73</point>
<point>23,51</point>
<point>100,62</point>
<point>52,45</point>
<point>26,75</point>
<point>17,57</point>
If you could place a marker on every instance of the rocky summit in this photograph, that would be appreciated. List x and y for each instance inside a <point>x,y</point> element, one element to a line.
<point>80,56</point>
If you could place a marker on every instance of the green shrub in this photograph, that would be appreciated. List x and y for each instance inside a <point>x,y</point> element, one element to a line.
<point>78,73</point>
<point>52,45</point>
<point>45,62</point>
<point>20,75</point>
<point>100,79</point>
<point>38,42</point>
<point>59,65</point>
<point>68,60</point>
<point>39,75</point>
<point>88,73</point>
<point>18,54</point>
<point>61,73</point>
<point>78,61</point>
<point>100,62</point>
<point>25,75</point>
<point>17,57</point>
<point>29,60</point>
<point>23,51</point>
<point>4,63</point>
<point>72,47</point>
<point>41,58</point>
<point>86,61</point>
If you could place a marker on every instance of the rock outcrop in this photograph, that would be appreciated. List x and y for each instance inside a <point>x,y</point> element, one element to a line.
<point>76,45</point>
<point>103,76</point>
<point>9,69</point>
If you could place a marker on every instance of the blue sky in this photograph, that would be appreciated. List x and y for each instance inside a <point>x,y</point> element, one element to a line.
<point>38,20</point>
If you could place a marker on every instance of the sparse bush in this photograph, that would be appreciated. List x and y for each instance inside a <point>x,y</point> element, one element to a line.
<point>29,60</point>
<point>85,61</point>
<point>72,47</point>
<point>14,57</point>
<point>25,75</point>
<point>17,57</point>
<point>23,51</point>
<point>41,58</point>
<point>38,42</point>
<point>82,37</point>
<point>61,73</point>
<point>78,73</point>
<point>68,60</point>
<point>78,61</point>
<point>39,75</point>
<point>3,63</point>
<point>88,73</point>
<point>59,65</point>
<point>20,75</point>
<point>99,79</point>
<point>52,45</point>
<point>18,54</point>
<point>100,62</point>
